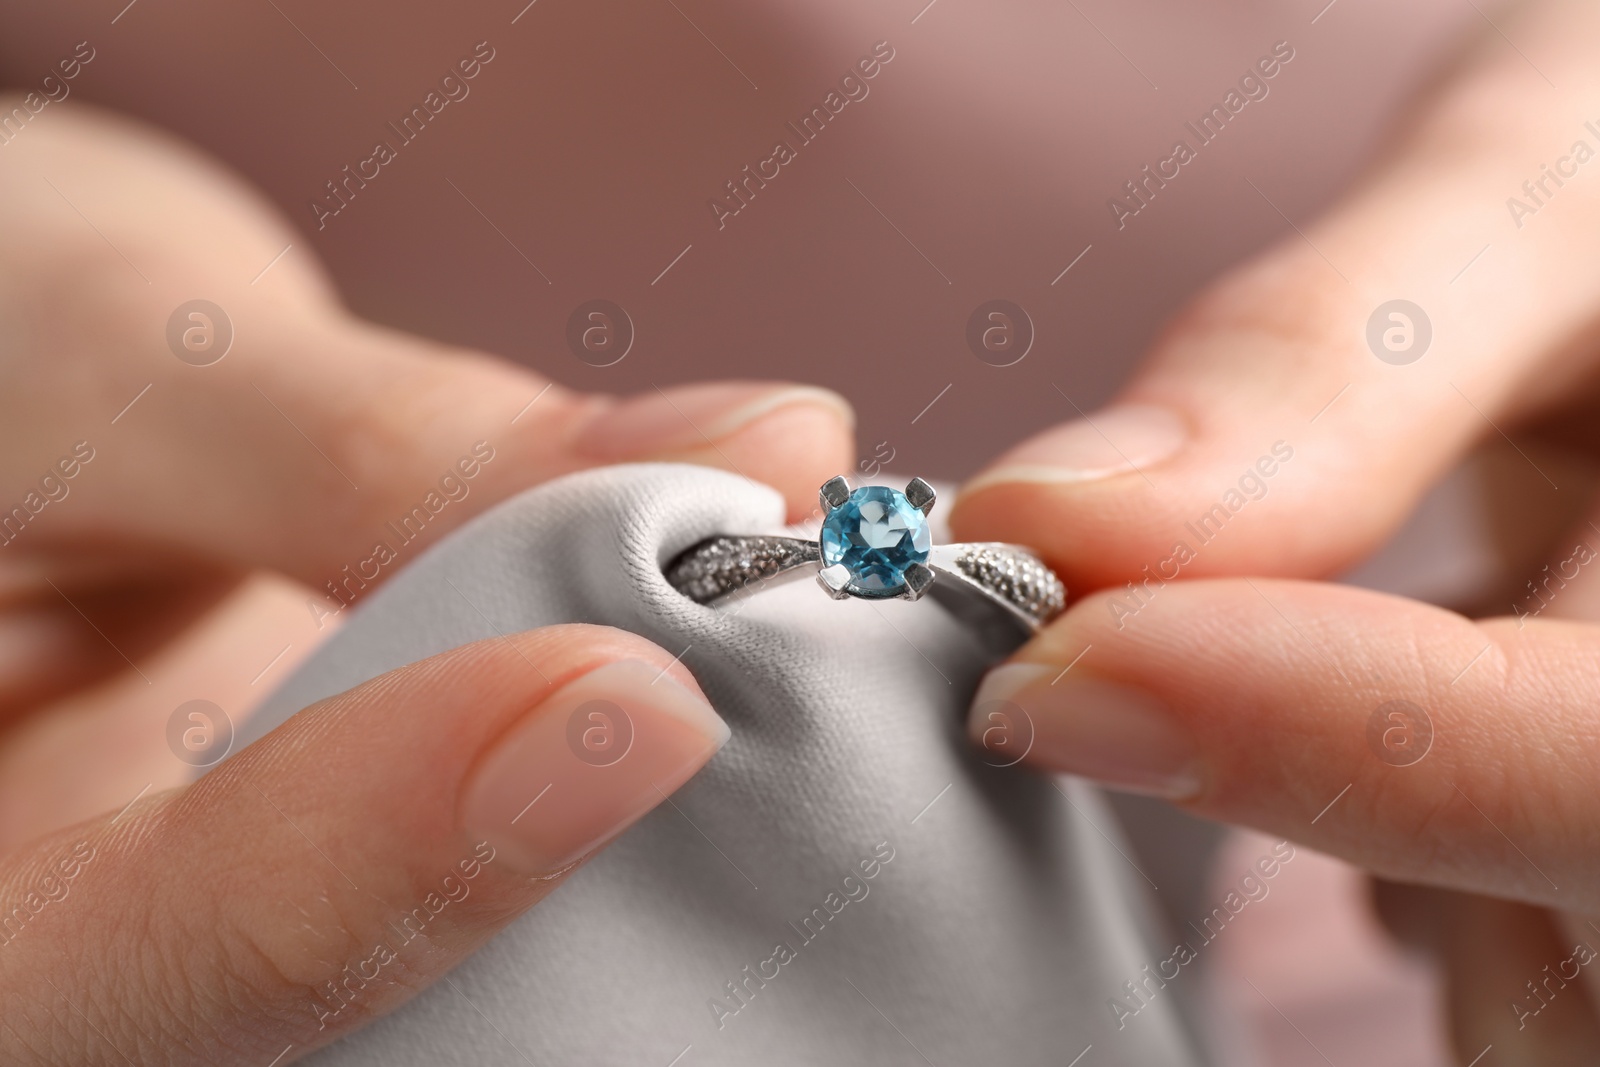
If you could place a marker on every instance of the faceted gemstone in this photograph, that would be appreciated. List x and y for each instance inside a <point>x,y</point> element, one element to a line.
<point>876,534</point>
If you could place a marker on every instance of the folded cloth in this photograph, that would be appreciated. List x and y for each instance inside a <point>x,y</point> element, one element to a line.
<point>848,881</point>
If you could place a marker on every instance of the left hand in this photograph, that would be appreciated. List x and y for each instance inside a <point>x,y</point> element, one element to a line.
<point>147,485</point>
<point>1264,437</point>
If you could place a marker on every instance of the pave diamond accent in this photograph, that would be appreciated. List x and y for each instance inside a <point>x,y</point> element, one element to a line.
<point>722,565</point>
<point>1018,578</point>
<point>1013,576</point>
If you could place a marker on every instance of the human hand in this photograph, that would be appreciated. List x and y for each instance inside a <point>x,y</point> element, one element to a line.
<point>1265,437</point>
<point>138,489</point>
<point>142,481</point>
<point>343,863</point>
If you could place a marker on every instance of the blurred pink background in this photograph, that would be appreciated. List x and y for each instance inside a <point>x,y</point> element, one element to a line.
<point>1312,978</point>
<point>978,167</point>
<point>595,138</point>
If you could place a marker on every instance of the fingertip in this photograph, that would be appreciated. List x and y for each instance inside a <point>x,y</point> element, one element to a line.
<point>666,422</point>
<point>568,650</point>
<point>1069,721</point>
<point>1035,514</point>
<point>604,749</point>
<point>388,831</point>
<point>1076,493</point>
<point>1120,440</point>
<point>792,437</point>
<point>794,449</point>
<point>586,729</point>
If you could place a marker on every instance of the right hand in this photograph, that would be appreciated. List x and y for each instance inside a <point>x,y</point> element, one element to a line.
<point>1259,701</point>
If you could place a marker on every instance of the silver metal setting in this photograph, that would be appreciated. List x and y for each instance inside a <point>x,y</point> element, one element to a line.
<point>984,576</point>
<point>919,578</point>
<point>835,580</point>
<point>718,566</point>
<point>834,491</point>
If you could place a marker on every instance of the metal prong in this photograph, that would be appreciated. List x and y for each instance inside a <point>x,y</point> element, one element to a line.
<point>834,579</point>
<point>921,495</point>
<point>834,491</point>
<point>919,576</point>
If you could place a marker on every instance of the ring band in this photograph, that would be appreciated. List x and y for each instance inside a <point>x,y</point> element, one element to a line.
<point>874,545</point>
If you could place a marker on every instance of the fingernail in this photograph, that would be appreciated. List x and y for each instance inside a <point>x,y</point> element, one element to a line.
<point>690,417</point>
<point>586,763</point>
<point>1118,440</point>
<point>1115,734</point>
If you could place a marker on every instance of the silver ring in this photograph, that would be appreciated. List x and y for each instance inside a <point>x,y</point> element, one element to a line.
<point>875,544</point>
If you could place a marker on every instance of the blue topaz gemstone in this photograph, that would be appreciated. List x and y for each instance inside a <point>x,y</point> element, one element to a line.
<point>876,534</point>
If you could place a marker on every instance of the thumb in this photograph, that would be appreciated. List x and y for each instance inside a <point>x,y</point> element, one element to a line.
<point>324,875</point>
